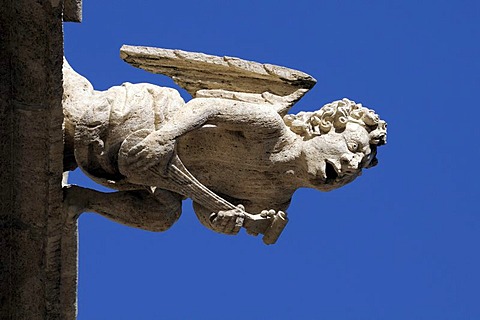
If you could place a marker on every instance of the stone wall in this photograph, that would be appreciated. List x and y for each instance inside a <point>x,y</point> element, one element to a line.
<point>37,249</point>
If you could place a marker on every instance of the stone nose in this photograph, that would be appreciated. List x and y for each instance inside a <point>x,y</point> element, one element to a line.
<point>350,162</point>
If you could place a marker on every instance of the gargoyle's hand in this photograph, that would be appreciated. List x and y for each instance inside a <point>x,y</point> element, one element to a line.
<point>268,213</point>
<point>154,150</point>
<point>259,223</point>
<point>228,221</point>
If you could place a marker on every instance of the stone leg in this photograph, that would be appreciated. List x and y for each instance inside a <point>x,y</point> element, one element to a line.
<point>152,211</point>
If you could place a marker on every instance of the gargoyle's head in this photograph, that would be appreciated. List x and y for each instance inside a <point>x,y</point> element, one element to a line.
<point>340,140</point>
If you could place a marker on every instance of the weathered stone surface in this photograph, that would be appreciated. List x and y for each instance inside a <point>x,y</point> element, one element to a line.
<point>245,156</point>
<point>72,10</point>
<point>196,71</point>
<point>37,250</point>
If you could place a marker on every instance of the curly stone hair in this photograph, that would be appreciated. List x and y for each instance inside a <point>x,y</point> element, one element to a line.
<point>335,116</point>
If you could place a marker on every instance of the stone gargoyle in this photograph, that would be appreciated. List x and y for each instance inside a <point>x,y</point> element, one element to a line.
<point>232,149</point>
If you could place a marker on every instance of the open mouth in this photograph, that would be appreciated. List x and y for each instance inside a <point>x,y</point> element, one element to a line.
<point>331,172</point>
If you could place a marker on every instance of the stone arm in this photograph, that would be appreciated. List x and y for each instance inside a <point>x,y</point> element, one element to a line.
<point>252,119</point>
<point>257,123</point>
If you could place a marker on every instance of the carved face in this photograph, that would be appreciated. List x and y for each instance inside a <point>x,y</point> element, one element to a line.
<point>335,159</point>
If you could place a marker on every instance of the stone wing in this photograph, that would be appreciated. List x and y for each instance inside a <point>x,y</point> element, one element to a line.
<point>198,71</point>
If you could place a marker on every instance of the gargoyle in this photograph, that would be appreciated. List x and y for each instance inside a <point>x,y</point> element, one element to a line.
<point>245,155</point>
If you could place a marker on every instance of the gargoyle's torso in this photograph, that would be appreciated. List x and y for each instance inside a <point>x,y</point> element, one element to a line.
<point>248,171</point>
<point>253,171</point>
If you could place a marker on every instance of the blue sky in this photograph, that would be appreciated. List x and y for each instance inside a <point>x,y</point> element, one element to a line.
<point>401,242</point>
